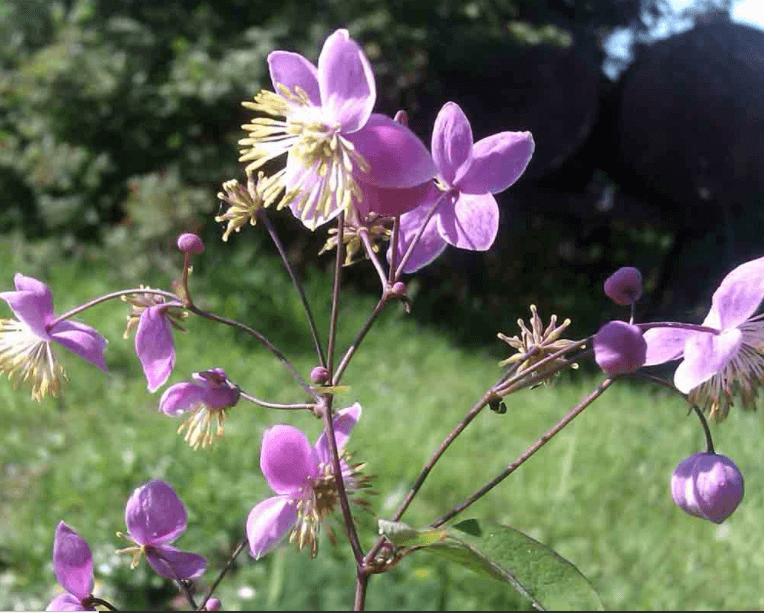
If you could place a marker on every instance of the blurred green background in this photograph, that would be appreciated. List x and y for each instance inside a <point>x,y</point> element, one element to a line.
<point>118,124</point>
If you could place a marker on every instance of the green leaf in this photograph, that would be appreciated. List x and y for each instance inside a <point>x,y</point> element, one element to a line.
<point>537,572</point>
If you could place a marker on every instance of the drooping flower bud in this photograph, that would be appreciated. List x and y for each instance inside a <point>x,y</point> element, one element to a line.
<point>707,485</point>
<point>624,286</point>
<point>190,243</point>
<point>213,604</point>
<point>619,348</point>
<point>398,289</point>
<point>319,375</point>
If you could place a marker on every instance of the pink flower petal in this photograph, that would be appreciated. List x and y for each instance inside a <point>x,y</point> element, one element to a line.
<point>346,82</point>
<point>155,346</point>
<point>397,157</point>
<point>497,162</point>
<point>175,564</point>
<point>292,70</point>
<point>704,356</point>
<point>472,223</point>
<point>665,344</point>
<point>287,459</point>
<point>268,522</point>
<point>180,397</point>
<point>67,602</point>
<point>739,294</point>
<point>154,514</point>
<point>451,141</point>
<point>32,303</point>
<point>430,245</point>
<point>81,339</point>
<point>72,562</point>
<point>312,186</point>
<point>344,421</point>
<point>389,202</point>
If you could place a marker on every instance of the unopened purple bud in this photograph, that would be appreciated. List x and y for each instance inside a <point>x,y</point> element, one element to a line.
<point>707,485</point>
<point>213,604</point>
<point>619,348</point>
<point>398,289</point>
<point>624,286</point>
<point>319,375</point>
<point>190,243</point>
<point>402,117</point>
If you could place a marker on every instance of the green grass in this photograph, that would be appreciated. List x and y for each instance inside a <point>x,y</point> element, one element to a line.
<point>598,493</point>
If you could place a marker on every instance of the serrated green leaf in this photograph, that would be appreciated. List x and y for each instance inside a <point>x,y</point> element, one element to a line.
<point>537,572</point>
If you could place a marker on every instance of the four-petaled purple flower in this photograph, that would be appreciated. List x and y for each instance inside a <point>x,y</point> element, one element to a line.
<point>207,398</point>
<point>154,319</point>
<point>331,138</point>
<point>468,215</point>
<point>25,342</point>
<point>73,565</point>
<point>303,479</point>
<point>155,516</point>
<point>715,365</point>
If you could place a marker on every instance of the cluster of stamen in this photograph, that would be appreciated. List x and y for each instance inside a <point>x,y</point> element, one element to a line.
<point>25,356</point>
<point>376,228</point>
<point>327,184</point>
<point>204,426</point>
<point>742,376</point>
<point>319,498</point>
<point>536,343</point>
<point>245,202</point>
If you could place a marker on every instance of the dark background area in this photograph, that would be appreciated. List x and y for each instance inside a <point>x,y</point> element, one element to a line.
<point>119,122</point>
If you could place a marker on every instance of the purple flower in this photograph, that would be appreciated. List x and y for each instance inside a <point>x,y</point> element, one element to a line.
<point>154,318</point>
<point>73,565</point>
<point>331,138</point>
<point>468,215</point>
<point>707,485</point>
<point>715,365</point>
<point>155,516</point>
<point>303,479</point>
<point>619,348</point>
<point>207,398</point>
<point>25,342</point>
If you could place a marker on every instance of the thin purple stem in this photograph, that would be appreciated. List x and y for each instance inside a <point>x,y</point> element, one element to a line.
<point>277,405</point>
<point>359,337</point>
<point>362,580</point>
<point>369,248</point>
<point>355,544</point>
<point>591,397</point>
<point>394,249</point>
<point>336,290</point>
<point>110,296</point>
<point>264,341</point>
<point>410,250</point>
<point>223,573</point>
<point>676,324</point>
<point>473,412</point>
<point>300,290</point>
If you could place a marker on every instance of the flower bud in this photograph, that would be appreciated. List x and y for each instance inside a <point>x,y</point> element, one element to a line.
<point>190,243</point>
<point>624,286</point>
<point>619,348</point>
<point>398,289</point>
<point>319,375</point>
<point>707,485</point>
<point>213,604</point>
